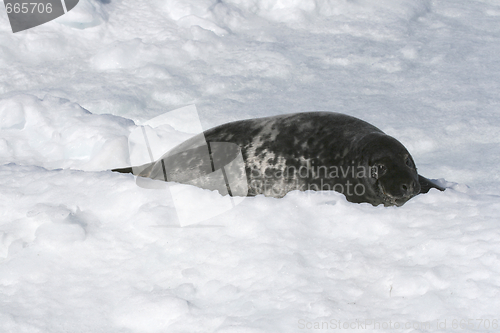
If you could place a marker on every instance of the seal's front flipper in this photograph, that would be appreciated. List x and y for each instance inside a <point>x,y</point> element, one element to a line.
<point>123,170</point>
<point>427,184</point>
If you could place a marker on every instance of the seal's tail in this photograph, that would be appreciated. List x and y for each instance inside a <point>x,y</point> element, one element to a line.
<point>123,170</point>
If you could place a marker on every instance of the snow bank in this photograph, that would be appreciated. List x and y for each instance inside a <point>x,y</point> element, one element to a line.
<point>91,250</point>
<point>291,11</point>
<point>55,133</point>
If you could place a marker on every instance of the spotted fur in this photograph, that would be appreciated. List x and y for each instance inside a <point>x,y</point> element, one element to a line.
<point>302,151</point>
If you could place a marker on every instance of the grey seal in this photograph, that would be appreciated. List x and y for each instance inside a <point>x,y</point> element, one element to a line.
<point>302,151</point>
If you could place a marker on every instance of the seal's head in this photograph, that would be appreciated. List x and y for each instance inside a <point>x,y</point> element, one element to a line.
<point>393,175</point>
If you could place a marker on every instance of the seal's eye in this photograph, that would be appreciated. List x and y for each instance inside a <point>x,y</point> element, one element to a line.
<point>408,162</point>
<point>382,169</point>
<point>378,170</point>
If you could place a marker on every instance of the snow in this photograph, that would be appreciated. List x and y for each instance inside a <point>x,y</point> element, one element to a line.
<point>83,249</point>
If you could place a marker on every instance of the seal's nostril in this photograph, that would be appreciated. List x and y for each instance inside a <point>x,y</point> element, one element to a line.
<point>408,188</point>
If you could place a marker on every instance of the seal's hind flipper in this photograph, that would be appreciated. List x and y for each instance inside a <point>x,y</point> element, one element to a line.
<point>123,170</point>
<point>427,184</point>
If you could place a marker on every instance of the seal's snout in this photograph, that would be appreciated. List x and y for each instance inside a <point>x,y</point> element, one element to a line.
<point>400,192</point>
<point>407,191</point>
<point>410,188</point>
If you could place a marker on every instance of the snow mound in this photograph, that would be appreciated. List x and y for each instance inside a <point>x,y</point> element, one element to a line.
<point>86,14</point>
<point>298,10</point>
<point>55,133</point>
